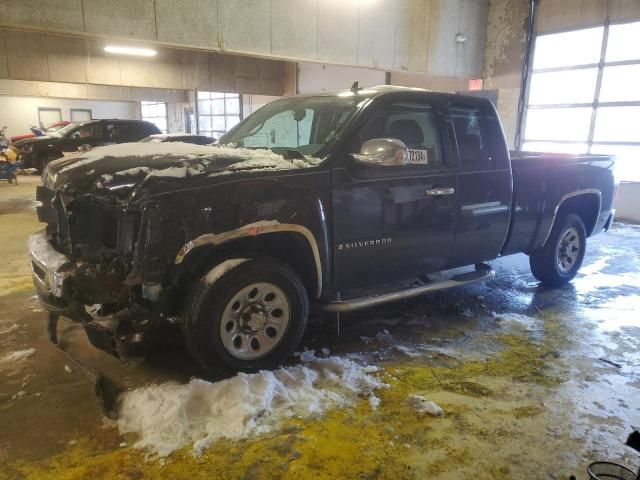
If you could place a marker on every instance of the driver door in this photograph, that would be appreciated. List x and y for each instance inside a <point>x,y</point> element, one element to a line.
<point>395,222</point>
<point>88,135</point>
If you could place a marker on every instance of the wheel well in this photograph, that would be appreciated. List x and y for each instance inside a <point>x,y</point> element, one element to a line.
<point>586,206</point>
<point>290,248</point>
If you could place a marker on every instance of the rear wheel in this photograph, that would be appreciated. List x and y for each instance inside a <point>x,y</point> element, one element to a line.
<point>247,316</point>
<point>558,262</point>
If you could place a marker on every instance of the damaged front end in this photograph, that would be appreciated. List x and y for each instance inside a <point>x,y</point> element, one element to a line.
<point>82,266</point>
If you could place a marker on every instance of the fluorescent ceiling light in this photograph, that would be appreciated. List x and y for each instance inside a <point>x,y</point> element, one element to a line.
<point>143,52</point>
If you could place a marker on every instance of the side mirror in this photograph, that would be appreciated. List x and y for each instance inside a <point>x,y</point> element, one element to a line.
<point>75,135</point>
<point>383,152</point>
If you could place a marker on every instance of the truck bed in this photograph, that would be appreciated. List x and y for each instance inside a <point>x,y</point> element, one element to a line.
<point>543,181</point>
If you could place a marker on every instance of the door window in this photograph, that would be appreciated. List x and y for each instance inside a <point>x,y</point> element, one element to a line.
<point>415,125</point>
<point>90,132</point>
<point>116,133</point>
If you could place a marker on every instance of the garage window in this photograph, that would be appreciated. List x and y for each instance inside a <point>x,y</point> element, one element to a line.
<point>156,113</point>
<point>217,113</point>
<point>584,96</point>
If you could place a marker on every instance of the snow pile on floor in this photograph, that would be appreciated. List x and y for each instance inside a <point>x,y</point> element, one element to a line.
<point>169,416</point>
<point>422,405</point>
<point>17,356</point>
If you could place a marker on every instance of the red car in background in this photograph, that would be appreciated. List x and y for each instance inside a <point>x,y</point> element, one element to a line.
<point>54,127</point>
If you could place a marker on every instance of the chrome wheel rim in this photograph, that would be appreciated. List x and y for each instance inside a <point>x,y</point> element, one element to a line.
<point>255,320</point>
<point>568,250</point>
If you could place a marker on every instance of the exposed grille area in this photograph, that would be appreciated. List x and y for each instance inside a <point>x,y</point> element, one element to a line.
<point>52,213</point>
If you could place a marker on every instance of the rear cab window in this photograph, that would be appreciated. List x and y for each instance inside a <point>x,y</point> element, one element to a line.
<point>476,131</point>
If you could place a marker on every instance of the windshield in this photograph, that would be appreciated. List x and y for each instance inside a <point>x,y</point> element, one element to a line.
<point>65,130</point>
<point>302,124</point>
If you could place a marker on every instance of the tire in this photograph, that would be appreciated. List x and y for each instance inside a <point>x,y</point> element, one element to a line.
<point>558,262</point>
<point>223,321</point>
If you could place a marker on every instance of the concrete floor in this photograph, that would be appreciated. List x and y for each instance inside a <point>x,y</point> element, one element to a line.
<point>534,399</point>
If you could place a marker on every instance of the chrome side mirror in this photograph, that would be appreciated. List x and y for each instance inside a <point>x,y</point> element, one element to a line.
<point>383,152</point>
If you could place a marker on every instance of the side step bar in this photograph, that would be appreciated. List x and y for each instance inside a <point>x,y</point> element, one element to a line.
<point>482,272</point>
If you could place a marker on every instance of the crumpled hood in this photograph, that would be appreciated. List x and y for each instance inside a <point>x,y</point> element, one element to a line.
<point>123,167</point>
<point>33,139</point>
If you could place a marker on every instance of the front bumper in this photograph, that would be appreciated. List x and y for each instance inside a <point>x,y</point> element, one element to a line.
<point>51,272</point>
<point>28,159</point>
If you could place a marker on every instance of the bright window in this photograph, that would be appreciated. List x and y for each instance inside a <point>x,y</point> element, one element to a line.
<point>558,124</point>
<point>156,113</point>
<point>620,83</point>
<point>623,43</point>
<point>584,95</point>
<point>217,113</point>
<point>567,86</point>
<point>580,47</point>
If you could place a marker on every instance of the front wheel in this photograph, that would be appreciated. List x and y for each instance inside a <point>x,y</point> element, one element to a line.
<point>245,315</point>
<point>558,262</point>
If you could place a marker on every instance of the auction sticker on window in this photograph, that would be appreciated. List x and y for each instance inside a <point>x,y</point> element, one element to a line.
<point>418,157</point>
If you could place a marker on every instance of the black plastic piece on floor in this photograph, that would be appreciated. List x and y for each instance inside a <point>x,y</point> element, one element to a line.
<point>633,440</point>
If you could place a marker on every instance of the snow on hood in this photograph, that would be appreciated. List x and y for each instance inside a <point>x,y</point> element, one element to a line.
<point>170,416</point>
<point>142,160</point>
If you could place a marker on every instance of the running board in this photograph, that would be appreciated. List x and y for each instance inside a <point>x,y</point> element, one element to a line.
<point>482,272</point>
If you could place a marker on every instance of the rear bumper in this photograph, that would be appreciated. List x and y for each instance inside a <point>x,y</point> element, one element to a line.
<point>51,272</point>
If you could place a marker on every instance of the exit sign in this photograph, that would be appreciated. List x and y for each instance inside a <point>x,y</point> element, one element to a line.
<point>475,84</point>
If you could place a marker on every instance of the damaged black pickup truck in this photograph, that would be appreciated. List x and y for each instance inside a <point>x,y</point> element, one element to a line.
<point>344,199</point>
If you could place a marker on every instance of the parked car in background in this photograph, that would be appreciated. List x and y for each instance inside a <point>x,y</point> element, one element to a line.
<point>180,137</point>
<point>41,132</point>
<point>348,199</point>
<point>4,141</point>
<point>39,151</point>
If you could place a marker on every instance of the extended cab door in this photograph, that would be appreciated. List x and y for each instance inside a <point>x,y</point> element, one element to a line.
<point>394,222</point>
<point>484,181</point>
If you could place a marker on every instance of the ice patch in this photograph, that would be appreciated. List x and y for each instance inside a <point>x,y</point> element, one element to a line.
<point>596,266</point>
<point>408,351</point>
<point>385,338</point>
<point>422,405</point>
<point>17,356</point>
<point>169,416</point>
<point>308,356</point>
<point>516,319</point>
<point>218,271</point>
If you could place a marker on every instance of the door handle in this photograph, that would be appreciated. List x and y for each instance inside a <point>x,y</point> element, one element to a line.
<point>439,192</point>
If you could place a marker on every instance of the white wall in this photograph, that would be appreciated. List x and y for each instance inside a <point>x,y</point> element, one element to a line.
<point>251,103</point>
<point>413,35</point>
<point>20,113</point>
<point>316,77</point>
<point>628,202</point>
